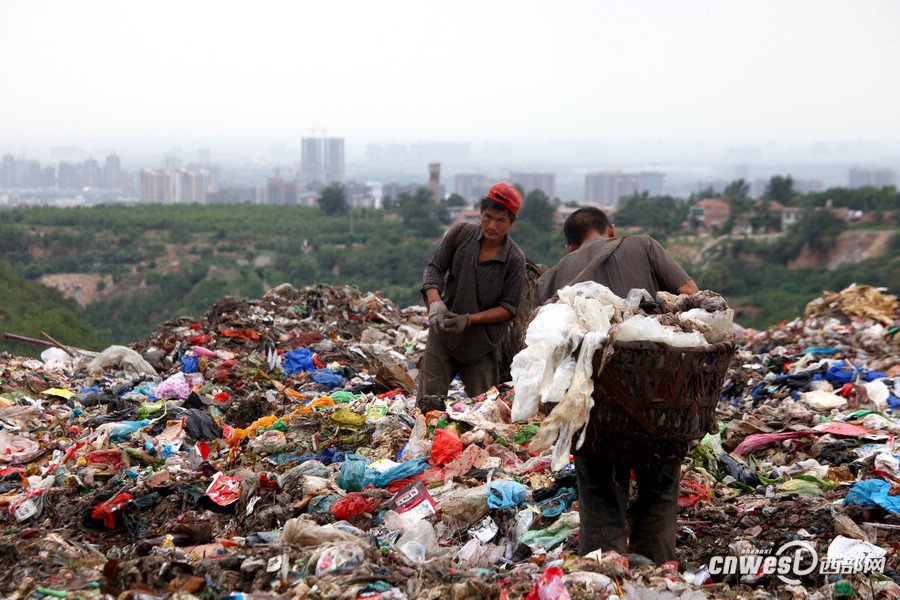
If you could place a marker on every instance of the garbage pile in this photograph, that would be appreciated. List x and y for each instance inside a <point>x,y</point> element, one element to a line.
<point>275,448</point>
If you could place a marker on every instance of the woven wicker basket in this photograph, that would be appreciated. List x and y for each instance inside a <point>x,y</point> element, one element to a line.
<point>652,399</point>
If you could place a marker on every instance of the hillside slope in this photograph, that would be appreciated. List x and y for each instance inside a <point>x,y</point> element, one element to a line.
<point>29,308</point>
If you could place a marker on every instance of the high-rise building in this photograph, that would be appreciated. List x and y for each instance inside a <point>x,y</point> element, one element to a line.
<point>472,186</point>
<point>30,175</point>
<point>112,172</point>
<point>322,160</point>
<point>48,177</point>
<point>859,178</point>
<point>171,162</point>
<point>808,186</point>
<point>281,192</point>
<point>333,160</point>
<point>546,182</point>
<point>652,182</point>
<point>884,177</point>
<point>8,177</point>
<point>607,188</point>
<point>193,186</point>
<point>157,187</point>
<point>311,160</point>
<point>91,174</point>
<point>69,176</point>
<point>392,191</point>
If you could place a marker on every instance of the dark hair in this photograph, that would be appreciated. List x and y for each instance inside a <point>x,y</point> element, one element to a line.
<point>489,203</point>
<point>584,221</point>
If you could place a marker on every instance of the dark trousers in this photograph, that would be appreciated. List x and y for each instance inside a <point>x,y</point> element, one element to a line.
<point>438,369</point>
<point>647,526</point>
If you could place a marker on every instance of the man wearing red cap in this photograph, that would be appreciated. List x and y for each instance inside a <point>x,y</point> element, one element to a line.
<point>472,286</point>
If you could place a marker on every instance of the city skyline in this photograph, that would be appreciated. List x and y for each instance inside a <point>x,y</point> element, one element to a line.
<point>98,73</point>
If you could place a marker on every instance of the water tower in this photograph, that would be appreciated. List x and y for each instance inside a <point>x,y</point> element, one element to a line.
<point>434,181</point>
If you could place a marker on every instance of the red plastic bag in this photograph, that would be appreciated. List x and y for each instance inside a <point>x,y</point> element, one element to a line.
<point>108,510</point>
<point>549,587</point>
<point>695,494</point>
<point>352,505</point>
<point>445,448</point>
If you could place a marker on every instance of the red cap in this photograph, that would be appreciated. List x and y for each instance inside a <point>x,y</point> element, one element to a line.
<point>506,195</point>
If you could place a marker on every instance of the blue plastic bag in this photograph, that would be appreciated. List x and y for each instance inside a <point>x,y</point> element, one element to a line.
<point>874,493</point>
<point>558,504</point>
<point>124,429</point>
<point>298,361</point>
<point>353,473</point>
<point>190,364</point>
<point>402,471</point>
<point>506,494</point>
<point>840,373</point>
<point>329,378</point>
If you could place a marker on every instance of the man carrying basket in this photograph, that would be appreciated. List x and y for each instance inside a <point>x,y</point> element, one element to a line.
<point>648,525</point>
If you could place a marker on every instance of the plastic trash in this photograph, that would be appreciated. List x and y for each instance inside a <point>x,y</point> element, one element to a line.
<point>556,504</point>
<point>190,364</point>
<point>549,587</point>
<point>445,447</point>
<point>411,504</point>
<point>298,361</point>
<point>738,470</point>
<point>550,338</point>
<point>851,550</point>
<point>418,541</point>
<point>417,446</point>
<point>127,360</point>
<point>271,442</point>
<point>328,378</point>
<point>874,493</point>
<point>353,473</point>
<point>352,505</point>
<point>823,400</point>
<point>506,494</point>
<point>401,471</point>
<point>559,530</point>
<point>571,415</point>
<point>175,387</point>
<point>339,559</point>
<point>640,327</point>
<point>485,530</point>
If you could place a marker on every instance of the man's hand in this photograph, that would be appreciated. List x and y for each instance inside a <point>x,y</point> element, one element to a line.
<point>437,310</point>
<point>454,324</point>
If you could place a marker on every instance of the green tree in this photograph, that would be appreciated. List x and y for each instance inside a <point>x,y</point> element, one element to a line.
<point>333,200</point>
<point>780,188</point>
<point>456,200</point>
<point>819,228</point>
<point>661,214</point>
<point>737,189</point>
<point>538,211</point>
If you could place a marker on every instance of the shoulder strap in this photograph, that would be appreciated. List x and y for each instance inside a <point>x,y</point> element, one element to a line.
<point>461,234</point>
<point>598,260</point>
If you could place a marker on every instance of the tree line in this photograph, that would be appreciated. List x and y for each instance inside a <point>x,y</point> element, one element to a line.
<point>167,261</point>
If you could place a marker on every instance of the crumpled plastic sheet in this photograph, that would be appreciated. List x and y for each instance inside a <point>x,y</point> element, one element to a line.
<point>298,361</point>
<point>175,387</point>
<point>572,414</point>
<point>873,493</point>
<point>506,494</point>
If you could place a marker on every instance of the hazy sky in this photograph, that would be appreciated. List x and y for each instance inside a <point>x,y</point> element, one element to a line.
<point>757,70</point>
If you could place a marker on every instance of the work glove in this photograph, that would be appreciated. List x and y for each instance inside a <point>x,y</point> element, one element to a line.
<point>437,310</point>
<point>454,324</point>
